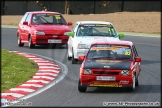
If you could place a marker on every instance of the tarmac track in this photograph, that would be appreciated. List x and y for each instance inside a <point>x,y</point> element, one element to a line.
<point>65,93</point>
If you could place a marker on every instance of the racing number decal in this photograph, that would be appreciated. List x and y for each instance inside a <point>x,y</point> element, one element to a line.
<point>57,16</point>
<point>127,53</point>
<point>109,29</point>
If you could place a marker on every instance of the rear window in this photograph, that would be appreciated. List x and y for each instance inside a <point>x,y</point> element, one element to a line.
<point>48,19</point>
<point>110,52</point>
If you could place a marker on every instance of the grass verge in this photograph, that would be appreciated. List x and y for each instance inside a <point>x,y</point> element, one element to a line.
<point>15,69</point>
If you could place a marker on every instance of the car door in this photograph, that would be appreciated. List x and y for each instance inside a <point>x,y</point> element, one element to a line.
<point>72,39</point>
<point>21,27</point>
<point>137,64</point>
<point>27,27</point>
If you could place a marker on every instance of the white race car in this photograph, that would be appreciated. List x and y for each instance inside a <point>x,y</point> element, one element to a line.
<point>86,32</point>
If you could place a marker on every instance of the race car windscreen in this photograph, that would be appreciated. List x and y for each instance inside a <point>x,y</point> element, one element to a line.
<point>41,19</point>
<point>116,52</point>
<point>106,30</point>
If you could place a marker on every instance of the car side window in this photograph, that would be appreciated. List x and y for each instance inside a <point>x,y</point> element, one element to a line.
<point>135,51</point>
<point>24,17</point>
<point>28,18</point>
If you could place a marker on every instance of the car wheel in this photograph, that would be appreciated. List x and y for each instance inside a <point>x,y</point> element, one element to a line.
<point>66,46</point>
<point>19,41</point>
<point>74,61</point>
<point>132,88</point>
<point>69,58</point>
<point>81,88</point>
<point>137,81</point>
<point>30,43</point>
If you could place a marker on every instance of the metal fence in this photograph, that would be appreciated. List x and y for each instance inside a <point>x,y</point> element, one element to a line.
<point>78,7</point>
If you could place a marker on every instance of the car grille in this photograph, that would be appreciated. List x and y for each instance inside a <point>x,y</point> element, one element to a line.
<point>41,40</point>
<point>106,73</point>
<point>65,40</point>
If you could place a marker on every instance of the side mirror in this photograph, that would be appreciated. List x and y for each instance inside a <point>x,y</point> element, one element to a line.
<point>138,59</point>
<point>121,36</point>
<point>70,34</point>
<point>70,23</point>
<point>25,23</point>
<point>81,58</point>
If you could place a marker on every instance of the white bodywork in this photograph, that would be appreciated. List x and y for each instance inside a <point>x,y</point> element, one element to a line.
<point>73,42</point>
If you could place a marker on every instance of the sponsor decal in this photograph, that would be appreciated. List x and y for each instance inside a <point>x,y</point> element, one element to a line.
<point>119,46</point>
<point>57,16</point>
<point>103,48</point>
<point>106,66</point>
<point>89,25</point>
<point>102,25</point>
<point>127,53</point>
<point>108,84</point>
<point>123,82</point>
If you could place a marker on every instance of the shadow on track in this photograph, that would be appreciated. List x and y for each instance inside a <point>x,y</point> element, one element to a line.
<point>48,47</point>
<point>145,62</point>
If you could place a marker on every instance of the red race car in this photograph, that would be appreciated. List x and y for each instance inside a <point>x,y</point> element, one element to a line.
<point>110,64</point>
<point>42,28</point>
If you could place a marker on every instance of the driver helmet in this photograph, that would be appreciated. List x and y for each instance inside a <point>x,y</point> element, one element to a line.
<point>36,19</point>
<point>84,30</point>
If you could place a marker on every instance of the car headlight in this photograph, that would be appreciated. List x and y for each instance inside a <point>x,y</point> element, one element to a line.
<point>39,33</point>
<point>125,72</point>
<point>82,46</point>
<point>87,71</point>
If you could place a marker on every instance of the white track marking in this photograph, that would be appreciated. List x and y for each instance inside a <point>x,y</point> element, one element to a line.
<point>12,94</point>
<point>43,81</point>
<point>44,77</point>
<point>23,89</point>
<point>52,74</point>
<point>49,71</point>
<point>35,85</point>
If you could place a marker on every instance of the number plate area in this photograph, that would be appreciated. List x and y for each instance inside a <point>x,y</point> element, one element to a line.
<point>54,41</point>
<point>105,78</point>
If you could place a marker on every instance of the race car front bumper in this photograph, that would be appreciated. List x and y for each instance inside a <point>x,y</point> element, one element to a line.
<point>79,52</point>
<point>121,81</point>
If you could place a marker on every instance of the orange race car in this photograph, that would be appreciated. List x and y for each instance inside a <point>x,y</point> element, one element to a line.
<point>110,64</point>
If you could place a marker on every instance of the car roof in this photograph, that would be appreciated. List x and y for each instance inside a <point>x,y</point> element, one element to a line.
<point>93,22</point>
<point>50,12</point>
<point>116,42</point>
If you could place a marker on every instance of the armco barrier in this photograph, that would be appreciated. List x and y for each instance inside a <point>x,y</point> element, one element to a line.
<point>36,6</point>
<point>102,7</point>
<point>58,6</point>
<point>79,7</point>
<point>142,6</point>
<point>15,7</point>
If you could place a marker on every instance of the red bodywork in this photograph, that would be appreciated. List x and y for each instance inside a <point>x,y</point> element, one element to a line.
<point>26,29</point>
<point>121,81</point>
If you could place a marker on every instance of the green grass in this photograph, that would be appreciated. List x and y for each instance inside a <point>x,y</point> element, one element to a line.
<point>15,69</point>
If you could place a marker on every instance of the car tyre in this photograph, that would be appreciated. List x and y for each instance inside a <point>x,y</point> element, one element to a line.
<point>66,46</point>
<point>69,58</point>
<point>74,61</point>
<point>30,43</point>
<point>19,41</point>
<point>132,88</point>
<point>81,88</point>
<point>137,81</point>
